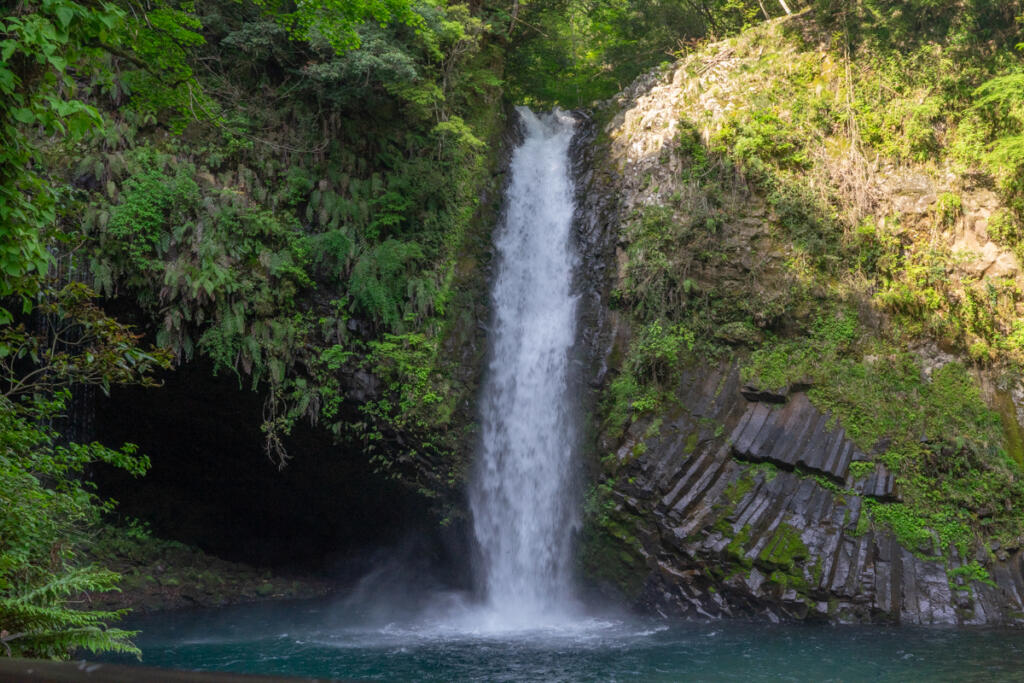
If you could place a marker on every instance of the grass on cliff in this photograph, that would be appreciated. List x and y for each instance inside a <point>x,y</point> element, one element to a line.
<point>805,130</point>
<point>935,432</point>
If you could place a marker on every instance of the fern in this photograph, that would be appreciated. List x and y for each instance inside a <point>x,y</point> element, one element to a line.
<point>44,510</point>
<point>378,280</point>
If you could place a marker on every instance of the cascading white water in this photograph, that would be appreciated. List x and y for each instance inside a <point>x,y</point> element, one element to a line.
<point>523,511</point>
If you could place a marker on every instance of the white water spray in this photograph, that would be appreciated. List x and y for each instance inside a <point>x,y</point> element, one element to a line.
<point>524,513</point>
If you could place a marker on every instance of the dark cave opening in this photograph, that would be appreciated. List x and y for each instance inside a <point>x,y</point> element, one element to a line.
<point>212,485</point>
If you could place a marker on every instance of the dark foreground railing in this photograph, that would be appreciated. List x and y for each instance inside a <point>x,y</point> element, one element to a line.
<point>35,670</point>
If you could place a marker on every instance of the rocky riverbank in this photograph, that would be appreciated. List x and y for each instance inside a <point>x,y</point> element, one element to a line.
<point>160,575</point>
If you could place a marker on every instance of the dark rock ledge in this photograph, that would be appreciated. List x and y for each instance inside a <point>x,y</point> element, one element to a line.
<point>739,507</point>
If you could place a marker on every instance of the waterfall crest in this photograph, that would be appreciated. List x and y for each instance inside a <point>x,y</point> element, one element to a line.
<point>524,512</point>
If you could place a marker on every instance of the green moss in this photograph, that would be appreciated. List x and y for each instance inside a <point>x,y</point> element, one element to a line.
<point>859,470</point>
<point>654,428</point>
<point>610,551</point>
<point>790,579</point>
<point>863,521</point>
<point>1012,431</point>
<point>736,549</point>
<point>784,549</point>
<point>766,470</point>
<point>735,491</point>
<point>817,570</point>
<point>691,442</point>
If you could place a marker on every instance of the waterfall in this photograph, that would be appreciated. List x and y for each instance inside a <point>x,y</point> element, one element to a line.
<point>524,512</point>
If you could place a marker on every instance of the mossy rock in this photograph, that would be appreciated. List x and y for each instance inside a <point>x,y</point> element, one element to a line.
<point>784,550</point>
<point>739,333</point>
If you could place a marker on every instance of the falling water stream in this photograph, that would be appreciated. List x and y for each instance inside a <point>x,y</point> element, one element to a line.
<point>523,510</point>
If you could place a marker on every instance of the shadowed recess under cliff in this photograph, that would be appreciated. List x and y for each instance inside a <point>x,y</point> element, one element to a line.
<point>212,486</point>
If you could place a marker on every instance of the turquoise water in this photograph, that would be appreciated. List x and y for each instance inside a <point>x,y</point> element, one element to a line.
<point>333,640</point>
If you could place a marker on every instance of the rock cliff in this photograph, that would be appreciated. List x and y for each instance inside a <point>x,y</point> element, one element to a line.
<point>743,505</point>
<point>719,489</point>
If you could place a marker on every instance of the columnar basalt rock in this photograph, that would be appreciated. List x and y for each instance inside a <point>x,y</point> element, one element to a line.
<point>721,535</point>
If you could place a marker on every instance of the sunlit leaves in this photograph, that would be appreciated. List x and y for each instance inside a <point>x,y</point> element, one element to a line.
<point>337,21</point>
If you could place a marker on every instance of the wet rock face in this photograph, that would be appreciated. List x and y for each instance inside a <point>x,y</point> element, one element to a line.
<point>743,507</point>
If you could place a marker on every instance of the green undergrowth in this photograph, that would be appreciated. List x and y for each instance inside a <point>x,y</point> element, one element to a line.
<point>776,246</point>
<point>805,122</point>
<point>970,573</point>
<point>306,226</point>
<point>49,513</point>
<point>935,433</point>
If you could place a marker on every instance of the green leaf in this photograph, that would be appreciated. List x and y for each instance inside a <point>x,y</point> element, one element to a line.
<point>64,15</point>
<point>7,48</point>
<point>23,115</point>
<point>57,62</point>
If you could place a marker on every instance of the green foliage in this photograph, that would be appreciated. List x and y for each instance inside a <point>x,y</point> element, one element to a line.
<point>759,138</point>
<point>285,242</point>
<point>48,506</point>
<point>650,371</point>
<point>1006,230</point>
<point>415,391</point>
<point>942,440</point>
<point>572,53</point>
<point>39,624</point>
<point>786,362</point>
<point>380,280</point>
<point>151,202</point>
<point>337,21</point>
<point>997,118</point>
<point>598,504</point>
<point>949,207</point>
<point>970,573</point>
<point>658,349</point>
<point>927,534</point>
<point>214,268</point>
<point>919,22</point>
<point>55,53</point>
<point>804,118</point>
<point>859,470</point>
<point>162,35</point>
<point>76,342</point>
<point>37,42</point>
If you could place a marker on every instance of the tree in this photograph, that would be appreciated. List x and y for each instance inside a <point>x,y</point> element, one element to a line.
<point>47,507</point>
<point>41,47</point>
